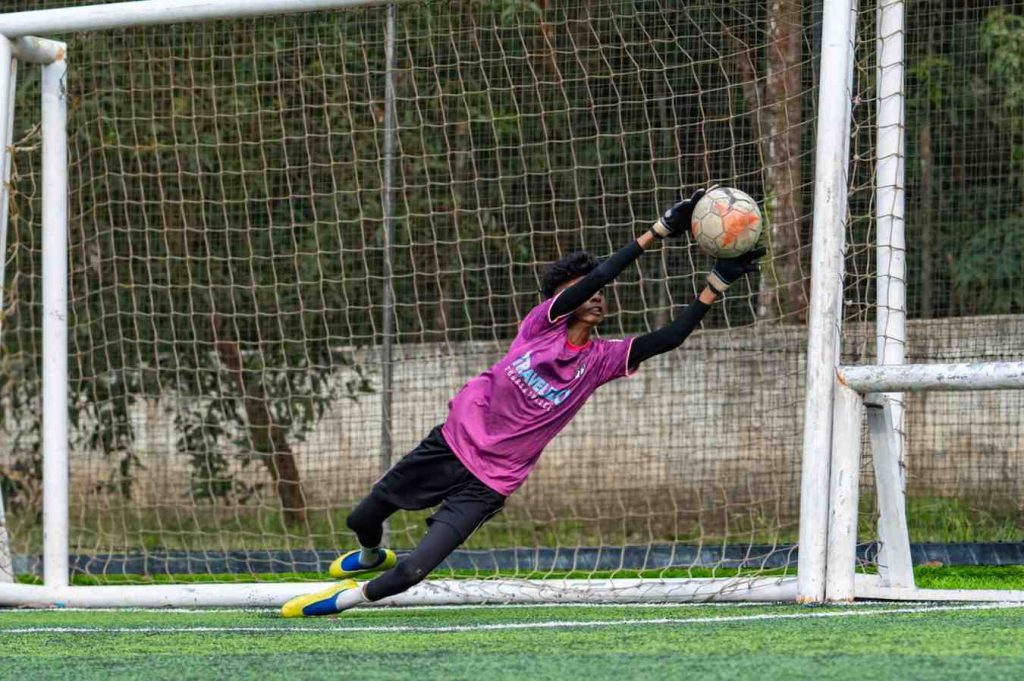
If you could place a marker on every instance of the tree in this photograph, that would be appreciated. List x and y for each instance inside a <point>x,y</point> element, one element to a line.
<point>786,296</point>
<point>777,101</point>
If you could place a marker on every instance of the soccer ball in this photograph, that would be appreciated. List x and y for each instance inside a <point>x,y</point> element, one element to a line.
<point>726,223</point>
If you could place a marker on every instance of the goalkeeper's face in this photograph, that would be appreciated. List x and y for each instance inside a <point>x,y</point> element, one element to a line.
<point>591,312</point>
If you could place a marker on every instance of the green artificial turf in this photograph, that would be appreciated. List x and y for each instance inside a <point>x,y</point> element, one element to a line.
<point>695,642</point>
<point>708,642</point>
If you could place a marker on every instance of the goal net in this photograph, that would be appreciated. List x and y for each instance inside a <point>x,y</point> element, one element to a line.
<point>228,329</point>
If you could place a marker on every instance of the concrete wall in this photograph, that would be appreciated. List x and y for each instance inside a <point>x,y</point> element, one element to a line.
<point>703,441</point>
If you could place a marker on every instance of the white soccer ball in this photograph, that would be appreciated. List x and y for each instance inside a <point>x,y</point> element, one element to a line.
<point>726,223</point>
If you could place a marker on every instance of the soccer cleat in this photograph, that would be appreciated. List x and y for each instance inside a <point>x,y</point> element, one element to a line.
<point>348,565</point>
<point>320,603</point>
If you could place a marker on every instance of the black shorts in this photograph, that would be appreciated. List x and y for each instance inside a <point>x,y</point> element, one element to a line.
<point>430,475</point>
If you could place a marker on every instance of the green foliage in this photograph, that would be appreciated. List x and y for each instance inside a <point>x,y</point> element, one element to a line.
<point>21,479</point>
<point>1001,41</point>
<point>991,267</point>
<point>509,10</point>
<point>204,278</point>
<point>965,116</point>
<point>1001,37</point>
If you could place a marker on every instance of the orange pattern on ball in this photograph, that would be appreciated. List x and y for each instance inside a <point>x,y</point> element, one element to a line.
<point>733,222</point>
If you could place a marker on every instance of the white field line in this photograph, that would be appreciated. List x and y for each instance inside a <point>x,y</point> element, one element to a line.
<point>555,624</point>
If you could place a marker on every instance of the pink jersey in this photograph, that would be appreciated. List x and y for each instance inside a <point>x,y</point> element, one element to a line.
<point>500,421</point>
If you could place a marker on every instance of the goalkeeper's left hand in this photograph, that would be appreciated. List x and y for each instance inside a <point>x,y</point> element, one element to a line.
<point>676,219</point>
<point>728,270</point>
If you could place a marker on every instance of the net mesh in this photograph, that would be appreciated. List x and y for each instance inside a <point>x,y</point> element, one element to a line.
<point>226,261</point>
<point>964,451</point>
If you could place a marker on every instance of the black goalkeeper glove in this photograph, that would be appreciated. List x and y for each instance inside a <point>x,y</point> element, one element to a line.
<point>676,219</point>
<point>727,270</point>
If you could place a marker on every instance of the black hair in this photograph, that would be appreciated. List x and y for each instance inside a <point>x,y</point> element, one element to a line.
<point>568,267</point>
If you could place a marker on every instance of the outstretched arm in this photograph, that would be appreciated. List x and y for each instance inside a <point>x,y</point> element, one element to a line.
<point>675,221</point>
<point>672,335</point>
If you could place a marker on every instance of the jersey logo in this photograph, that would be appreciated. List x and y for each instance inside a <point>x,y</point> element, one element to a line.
<point>522,373</point>
<point>579,370</point>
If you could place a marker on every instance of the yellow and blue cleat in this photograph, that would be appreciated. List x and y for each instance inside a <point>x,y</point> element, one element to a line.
<point>348,565</point>
<point>320,603</point>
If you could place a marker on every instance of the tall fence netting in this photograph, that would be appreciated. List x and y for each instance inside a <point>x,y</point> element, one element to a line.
<point>964,119</point>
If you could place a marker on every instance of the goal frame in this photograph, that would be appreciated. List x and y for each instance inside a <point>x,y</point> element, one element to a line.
<point>56,590</point>
<point>838,398</point>
<point>861,393</point>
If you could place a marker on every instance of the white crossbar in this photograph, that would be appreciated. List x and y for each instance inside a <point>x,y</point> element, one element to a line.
<point>156,12</point>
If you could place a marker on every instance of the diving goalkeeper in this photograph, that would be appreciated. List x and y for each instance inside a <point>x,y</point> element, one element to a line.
<point>499,422</point>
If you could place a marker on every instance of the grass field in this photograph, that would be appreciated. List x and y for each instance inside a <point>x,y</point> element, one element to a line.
<point>707,642</point>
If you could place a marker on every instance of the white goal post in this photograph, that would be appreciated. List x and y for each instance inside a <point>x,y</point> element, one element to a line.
<point>52,56</point>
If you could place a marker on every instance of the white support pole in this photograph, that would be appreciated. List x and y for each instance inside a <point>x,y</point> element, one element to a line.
<point>891,303</point>
<point>8,69</point>
<point>55,326</point>
<point>825,314</point>
<point>848,416</point>
<point>157,12</point>
<point>895,564</point>
<point>388,293</point>
<point>934,377</point>
<point>873,588</point>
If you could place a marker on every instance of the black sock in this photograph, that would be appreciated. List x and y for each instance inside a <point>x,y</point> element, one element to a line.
<point>440,541</point>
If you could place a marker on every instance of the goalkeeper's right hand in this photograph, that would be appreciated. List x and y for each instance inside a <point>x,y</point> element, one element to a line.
<point>676,219</point>
<point>727,270</point>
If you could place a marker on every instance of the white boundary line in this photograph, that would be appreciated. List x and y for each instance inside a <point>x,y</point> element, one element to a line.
<point>555,624</point>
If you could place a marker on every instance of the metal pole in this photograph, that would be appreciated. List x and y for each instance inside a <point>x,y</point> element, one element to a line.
<point>387,199</point>
<point>848,416</point>
<point>895,564</point>
<point>430,592</point>
<point>891,303</point>
<point>8,76</point>
<point>34,50</point>
<point>832,156</point>
<point>155,13</point>
<point>55,326</point>
<point>8,70</point>
<point>872,378</point>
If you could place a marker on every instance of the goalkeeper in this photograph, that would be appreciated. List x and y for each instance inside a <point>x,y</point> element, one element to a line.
<point>500,421</point>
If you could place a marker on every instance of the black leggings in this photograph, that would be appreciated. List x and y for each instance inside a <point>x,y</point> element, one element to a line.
<point>367,521</point>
